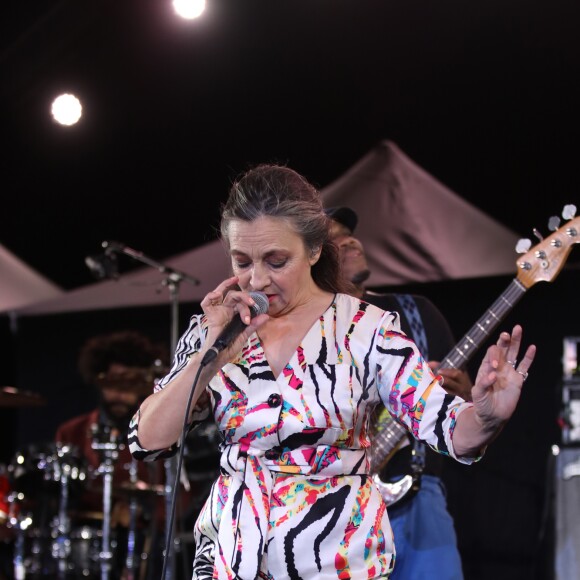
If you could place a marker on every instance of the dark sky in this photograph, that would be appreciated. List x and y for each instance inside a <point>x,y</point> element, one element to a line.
<point>483,95</point>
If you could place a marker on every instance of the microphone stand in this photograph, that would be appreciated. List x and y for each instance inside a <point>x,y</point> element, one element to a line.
<point>130,560</point>
<point>109,452</point>
<point>172,280</point>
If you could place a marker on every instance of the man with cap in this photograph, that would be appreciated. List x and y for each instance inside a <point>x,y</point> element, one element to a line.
<point>409,474</point>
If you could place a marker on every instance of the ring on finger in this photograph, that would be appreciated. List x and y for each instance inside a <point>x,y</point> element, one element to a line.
<point>512,362</point>
<point>524,374</point>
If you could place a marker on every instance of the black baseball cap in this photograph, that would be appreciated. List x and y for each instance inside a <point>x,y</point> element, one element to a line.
<point>343,215</point>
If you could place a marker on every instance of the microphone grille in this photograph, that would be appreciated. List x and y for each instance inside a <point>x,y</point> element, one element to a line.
<point>261,303</point>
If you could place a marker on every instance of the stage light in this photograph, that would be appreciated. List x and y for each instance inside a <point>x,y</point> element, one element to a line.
<point>189,9</point>
<point>66,109</point>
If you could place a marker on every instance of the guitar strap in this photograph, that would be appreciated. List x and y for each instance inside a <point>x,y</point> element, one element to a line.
<point>409,307</point>
<point>413,315</point>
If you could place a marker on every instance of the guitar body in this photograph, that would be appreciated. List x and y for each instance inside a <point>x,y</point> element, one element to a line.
<point>396,479</point>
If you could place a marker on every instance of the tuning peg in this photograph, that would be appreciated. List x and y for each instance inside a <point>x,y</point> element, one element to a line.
<point>523,245</point>
<point>569,211</point>
<point>553,223</point>
<point>538,234</point>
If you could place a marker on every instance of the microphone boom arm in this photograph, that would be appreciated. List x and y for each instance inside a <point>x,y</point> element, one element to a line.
<point>173,275</point>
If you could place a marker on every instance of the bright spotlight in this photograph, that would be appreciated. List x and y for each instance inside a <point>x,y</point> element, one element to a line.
<point>189,9</point>
<point>66,109</point>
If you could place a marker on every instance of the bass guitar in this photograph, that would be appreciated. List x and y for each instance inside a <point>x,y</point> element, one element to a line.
<point>542,263</point>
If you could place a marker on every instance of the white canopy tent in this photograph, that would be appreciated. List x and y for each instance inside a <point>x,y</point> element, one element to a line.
<point>20,285</point>
<point>413,227</point>
<point>144,286</point>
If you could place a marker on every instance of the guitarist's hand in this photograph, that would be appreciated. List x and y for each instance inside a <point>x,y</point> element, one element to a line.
<point>455,381</point>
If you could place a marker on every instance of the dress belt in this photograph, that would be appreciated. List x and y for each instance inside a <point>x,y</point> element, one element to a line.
<point>246,511</point>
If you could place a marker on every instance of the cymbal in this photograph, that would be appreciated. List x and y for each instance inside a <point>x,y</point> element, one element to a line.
<point>11,397</point>
<point>127,488</point>
<point>139,487</point>
<point>85,515</point>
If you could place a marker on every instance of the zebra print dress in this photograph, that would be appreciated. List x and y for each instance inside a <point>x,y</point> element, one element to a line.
<point>294,498</point>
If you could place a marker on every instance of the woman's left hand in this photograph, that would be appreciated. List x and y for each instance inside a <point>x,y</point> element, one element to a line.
<point>500,379</point>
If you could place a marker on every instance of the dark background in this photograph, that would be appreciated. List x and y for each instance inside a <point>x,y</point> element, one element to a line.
<point>482,95</point>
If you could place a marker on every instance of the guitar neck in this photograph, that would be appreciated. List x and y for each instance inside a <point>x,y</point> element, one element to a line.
<point>462,352</point>
<point>387,439</point>
<point>543,262</point>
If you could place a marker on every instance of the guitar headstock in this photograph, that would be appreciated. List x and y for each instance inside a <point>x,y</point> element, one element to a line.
<point>545,260</point>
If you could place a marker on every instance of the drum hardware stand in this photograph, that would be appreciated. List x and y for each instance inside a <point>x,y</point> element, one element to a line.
<point>110,452</point>
<point>61,547</point>
<point>21,524</point>
<point>130,563</point>
<point>19,569</point>
<point>173,279</point>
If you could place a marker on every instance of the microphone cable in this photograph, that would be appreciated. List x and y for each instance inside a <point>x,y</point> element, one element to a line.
<point>184,431</point>
<point>233,328</point>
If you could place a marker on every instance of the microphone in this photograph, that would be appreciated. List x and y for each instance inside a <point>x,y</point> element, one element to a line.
<point>235,327</point>
<point>103,266</point>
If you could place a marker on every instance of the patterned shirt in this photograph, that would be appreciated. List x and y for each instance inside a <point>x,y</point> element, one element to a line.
<point>294,498</point>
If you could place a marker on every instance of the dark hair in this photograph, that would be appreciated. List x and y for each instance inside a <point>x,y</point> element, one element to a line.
<point>126,347</point>
<point>278,191</point>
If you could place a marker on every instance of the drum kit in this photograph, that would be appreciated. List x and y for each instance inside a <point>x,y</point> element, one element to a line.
<point>39,495</point>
